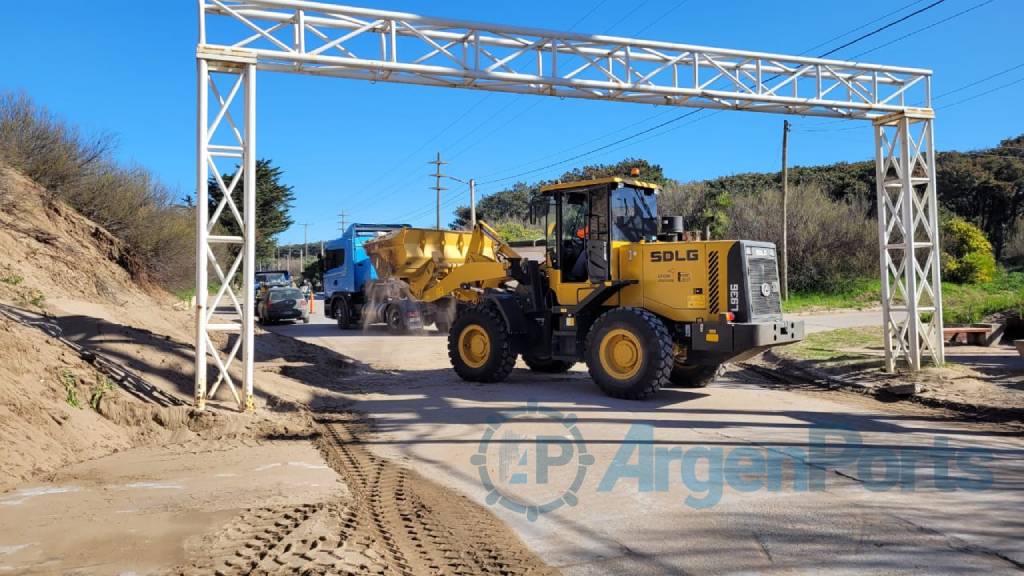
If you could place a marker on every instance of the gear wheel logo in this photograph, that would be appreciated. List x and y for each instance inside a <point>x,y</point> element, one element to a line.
<point>532,461</point>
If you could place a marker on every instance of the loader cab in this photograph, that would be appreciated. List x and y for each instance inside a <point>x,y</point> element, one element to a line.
<point>587,220</point>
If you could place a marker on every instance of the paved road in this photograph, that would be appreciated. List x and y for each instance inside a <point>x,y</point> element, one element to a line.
<point>666,486</point>
<point>822,321</point>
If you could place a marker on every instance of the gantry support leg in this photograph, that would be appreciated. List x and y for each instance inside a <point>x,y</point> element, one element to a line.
<point>225,146</point>
<point>908,237</point>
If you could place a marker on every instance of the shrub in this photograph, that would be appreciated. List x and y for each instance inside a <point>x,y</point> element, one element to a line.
<point>831,242</point>
<point>510,230</point>
<point>128,202</point>
<point>967,256</point>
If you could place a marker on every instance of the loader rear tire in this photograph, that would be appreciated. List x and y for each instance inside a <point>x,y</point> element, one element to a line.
<point>479,345</point>
<point>629,353</point>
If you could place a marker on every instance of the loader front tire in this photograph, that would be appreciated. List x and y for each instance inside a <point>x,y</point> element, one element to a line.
<point>629,353</point>
<point>479,345</point>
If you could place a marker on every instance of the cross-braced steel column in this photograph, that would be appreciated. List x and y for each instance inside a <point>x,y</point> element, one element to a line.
<point>908,238</point>
<point>230,78</point>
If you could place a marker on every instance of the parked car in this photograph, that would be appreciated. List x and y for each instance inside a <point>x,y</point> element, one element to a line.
<point>282,303</point>
<point>271,278</point>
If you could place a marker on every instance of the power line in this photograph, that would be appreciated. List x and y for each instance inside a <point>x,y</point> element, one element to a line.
<point>980,81</point>
<point>635,9</point>
<point>662,17</point>
<point>587,15</point>
<point>538,101</point>
<point>813,127</point>
<point>861,27</point>
<point>928,27</point>
<point>985,93</point>
<point>883,27</point>
<point>599,148</point>
<point>585,142</point>
<point>409,175</point>
<point>692,112</point>
<point>398,185</point>
<point>695,111</point>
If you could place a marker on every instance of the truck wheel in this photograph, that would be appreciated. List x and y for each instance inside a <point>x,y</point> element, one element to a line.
<point>629,353</point>
<point>342,314</point>
<point>548,366</point>
<point>479,346</point>
<point>694,375</point>
<point>393,318</point>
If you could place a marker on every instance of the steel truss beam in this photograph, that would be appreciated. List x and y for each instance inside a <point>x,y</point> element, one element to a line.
<point>224,143</point>
<point>377,45</point>
<point>908,239</point>
<point>239,37</point>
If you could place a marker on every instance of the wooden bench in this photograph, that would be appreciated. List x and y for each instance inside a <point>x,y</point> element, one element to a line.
<point>975,335</point>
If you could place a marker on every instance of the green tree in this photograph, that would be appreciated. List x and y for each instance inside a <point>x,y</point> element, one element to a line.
<point>273,204</point>
<point>512,204</point>
<point>985,188</point>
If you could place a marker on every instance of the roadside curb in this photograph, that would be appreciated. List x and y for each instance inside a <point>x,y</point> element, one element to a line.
<point>807,373</point>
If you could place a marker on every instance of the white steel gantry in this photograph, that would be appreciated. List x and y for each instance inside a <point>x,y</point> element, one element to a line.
<point>239,37</point>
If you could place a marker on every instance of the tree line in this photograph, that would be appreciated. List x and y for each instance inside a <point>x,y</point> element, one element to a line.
<point>833,210</point>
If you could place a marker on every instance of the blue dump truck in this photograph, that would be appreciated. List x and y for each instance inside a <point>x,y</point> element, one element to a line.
<point>354,295</point>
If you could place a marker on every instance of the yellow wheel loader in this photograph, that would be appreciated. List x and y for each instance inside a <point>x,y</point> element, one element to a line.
<point>645,308</point>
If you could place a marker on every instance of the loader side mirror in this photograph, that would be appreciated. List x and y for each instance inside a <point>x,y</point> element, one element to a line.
<point>597,260</point>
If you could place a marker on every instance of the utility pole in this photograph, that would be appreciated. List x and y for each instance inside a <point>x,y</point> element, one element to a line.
<point>784,260</point>
<point>342,221</point>
<point>437,185</point>
<point>305,248</point>
<point>472,198</point>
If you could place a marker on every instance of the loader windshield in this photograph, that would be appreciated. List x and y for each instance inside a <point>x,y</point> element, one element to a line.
<point>634,214</point>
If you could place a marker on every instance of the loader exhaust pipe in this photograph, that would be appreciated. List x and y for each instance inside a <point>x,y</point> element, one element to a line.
<point>671,229</point>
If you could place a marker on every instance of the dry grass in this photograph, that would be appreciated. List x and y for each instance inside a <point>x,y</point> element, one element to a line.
<point>127,201</point>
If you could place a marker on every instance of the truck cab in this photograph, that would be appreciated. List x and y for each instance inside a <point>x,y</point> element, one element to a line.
<point>347,271</point>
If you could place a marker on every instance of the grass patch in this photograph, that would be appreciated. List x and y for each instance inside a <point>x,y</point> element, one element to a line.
<point>31,296</point>
<point>11,279</point>
<point>186,294</point>
<point>98,392</point>
<point>70,383</point>
<point>969,303</point>
<point>835,345</point>
<point>961,303</point>
<point>858,293</point>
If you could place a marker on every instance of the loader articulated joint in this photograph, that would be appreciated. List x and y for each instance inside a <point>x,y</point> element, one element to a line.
<point>510,311</point>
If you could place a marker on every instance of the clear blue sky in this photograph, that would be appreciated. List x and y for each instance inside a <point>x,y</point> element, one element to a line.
<point>128,68</point>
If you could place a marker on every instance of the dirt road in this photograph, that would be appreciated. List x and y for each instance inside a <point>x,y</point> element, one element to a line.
<point>660,487</point>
